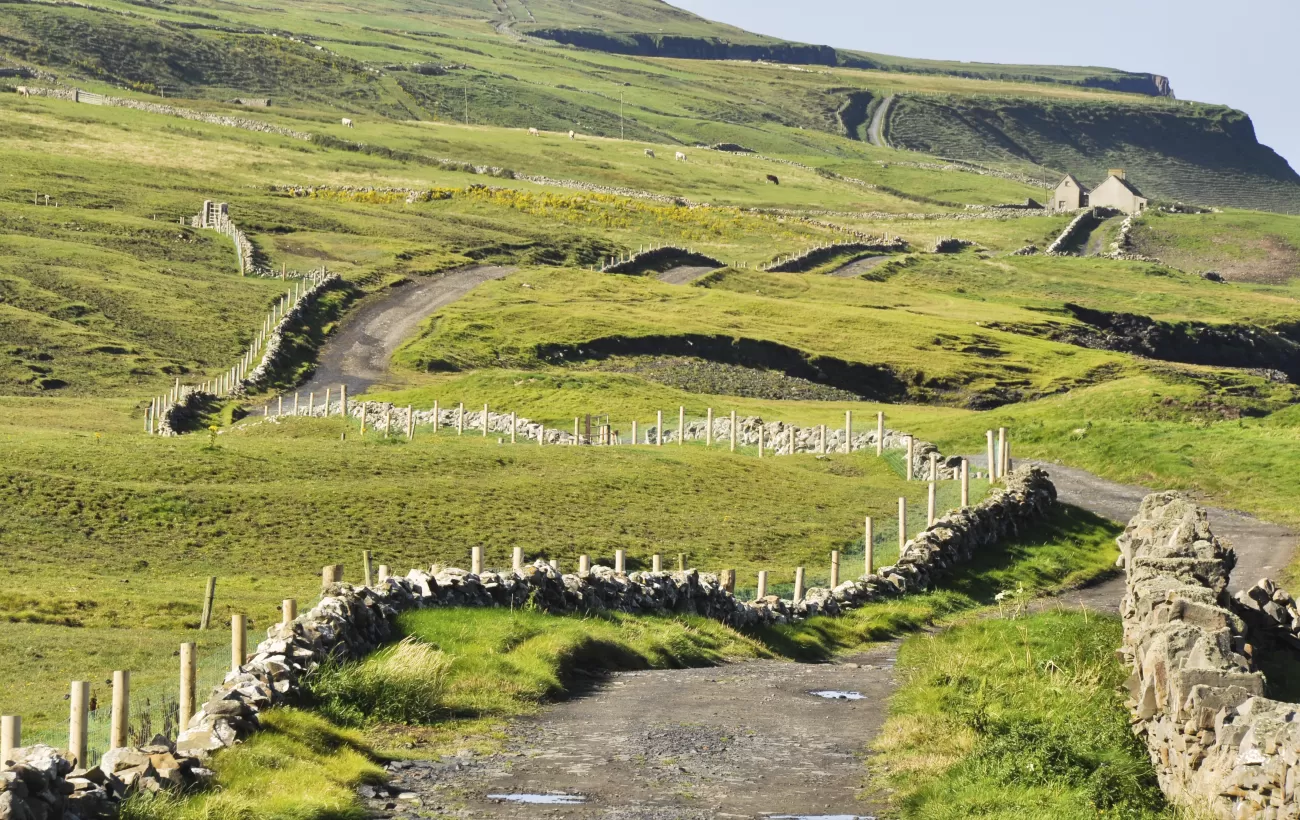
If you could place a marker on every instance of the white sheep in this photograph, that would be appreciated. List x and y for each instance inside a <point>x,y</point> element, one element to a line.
<point>681,157</point>
<point>572,135</point>
<point>533,132</point>
<point>347,123</point>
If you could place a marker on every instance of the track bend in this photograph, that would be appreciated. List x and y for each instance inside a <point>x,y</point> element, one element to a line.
<point>358,355</point>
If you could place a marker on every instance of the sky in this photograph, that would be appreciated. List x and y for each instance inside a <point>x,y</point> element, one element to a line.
<point>1241,54</point>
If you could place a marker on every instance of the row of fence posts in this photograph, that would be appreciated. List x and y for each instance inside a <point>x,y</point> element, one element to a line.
<point>999,455</point>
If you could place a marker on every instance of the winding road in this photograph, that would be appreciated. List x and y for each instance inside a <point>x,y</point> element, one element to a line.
<point>745,740</point>
<point>358,355</point>
<point>876,131</point>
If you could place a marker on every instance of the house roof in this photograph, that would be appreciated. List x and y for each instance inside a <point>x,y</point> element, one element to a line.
<point>1127,185</point>
<point>1075,180</point>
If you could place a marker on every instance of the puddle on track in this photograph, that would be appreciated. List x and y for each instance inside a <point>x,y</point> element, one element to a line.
<point>833,694</point>
<point>541,799</point>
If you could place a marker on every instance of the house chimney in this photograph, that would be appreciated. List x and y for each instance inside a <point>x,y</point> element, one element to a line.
<point>1118,172</point>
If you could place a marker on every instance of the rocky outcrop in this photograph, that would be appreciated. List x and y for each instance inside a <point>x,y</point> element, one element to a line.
<point>1218,746</point>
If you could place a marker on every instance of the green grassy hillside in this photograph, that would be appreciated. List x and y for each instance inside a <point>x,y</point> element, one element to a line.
<point>1173,151</point>
<point>467,63</point>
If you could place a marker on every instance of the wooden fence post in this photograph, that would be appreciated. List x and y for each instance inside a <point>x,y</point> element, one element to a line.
<point>410,422</point>
<point>798,584</point>
<point>762,585</point>
<point>514,426</point>
<point>681,562</point>
<point>869,547</point>
<point>365,410</point>
<point>384,573</point>
<point>576,440</point>
<point>584,564</point>
<point>1004,452</point>
<point>659,428</point>
<point>238,642</point>
<point>708,428</point>
<point>993,466</point>
<point>476,560</point>
<point>620,562</point>
<point>460,419</point>
<point>848,431</point>
<point>965,483</point>
<point>728,580</point>
<point>11,737</point>
<point>821,439</point>
<point>437,417</point>
<point>78,722</point>
<point>117,737</point>
<point>656,563</point>
<point>934,466</point>
<point>365,568</point>
<point>681,426</point>
<point>189,687</point>
<point>288,610</point>
<point>734,431</point>
<point>760,441</point>
<point>485,420</point>
<point>517,559</point>
<point>209,595</point>
<point>634,438</point>
<point>931,503</point>
<point>911,454</point>
<point>880,433</point>
<point>343,400</point>
<point>902,525</point>
<point>835,568</point>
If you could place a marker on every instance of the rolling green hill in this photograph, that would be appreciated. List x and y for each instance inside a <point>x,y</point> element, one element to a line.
<point>502,62</point>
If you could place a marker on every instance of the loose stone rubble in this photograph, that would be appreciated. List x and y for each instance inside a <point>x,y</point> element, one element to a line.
<point>350,622</point>
<point>1218,745</point>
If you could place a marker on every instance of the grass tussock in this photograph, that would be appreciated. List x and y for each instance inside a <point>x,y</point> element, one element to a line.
<point>299,766</point>
<point>401,684</point>
<point>1014,719</point>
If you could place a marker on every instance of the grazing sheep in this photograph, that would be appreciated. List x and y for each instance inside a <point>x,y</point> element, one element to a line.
<point>681,157</point>
<point>22,89</point>
<point>347,123</point>
<point>533,132</point>
<point>649,152</point>
<point>572,135</point>
<point>772,179</point>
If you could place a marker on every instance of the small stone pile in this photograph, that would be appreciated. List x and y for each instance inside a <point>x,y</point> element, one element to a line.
<point>1218,746</point>
<point>950,244</point>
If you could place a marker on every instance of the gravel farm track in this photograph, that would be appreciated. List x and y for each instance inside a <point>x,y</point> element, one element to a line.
<point>744,740</point>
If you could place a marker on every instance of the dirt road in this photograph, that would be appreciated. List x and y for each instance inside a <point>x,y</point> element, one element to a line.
<point>749,740</point>
<point>859,266</point>
<point>358,355</point>
<point>746,740</point>
<point>684,275</point>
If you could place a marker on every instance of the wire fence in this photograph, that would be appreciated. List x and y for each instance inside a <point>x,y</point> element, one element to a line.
<point>153,709</point>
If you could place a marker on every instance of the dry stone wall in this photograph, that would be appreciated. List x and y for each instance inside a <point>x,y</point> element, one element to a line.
<point>350,622</point>
<point>1219,747</point>
<point>75,95</point>
<point>657,257</point>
